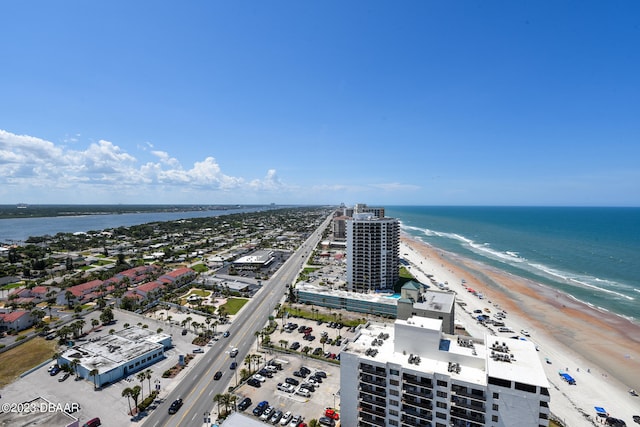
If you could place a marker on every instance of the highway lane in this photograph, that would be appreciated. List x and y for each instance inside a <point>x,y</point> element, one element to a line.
<point>198,387</point>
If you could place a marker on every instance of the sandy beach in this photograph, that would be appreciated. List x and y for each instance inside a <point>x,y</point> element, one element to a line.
<point>600,350</point>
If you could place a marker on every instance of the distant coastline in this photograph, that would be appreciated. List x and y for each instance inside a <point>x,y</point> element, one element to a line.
<point>23,210</point>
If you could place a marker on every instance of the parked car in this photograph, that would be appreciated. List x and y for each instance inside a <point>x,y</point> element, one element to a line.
<point>286,418</point>
<point>525,333</point>
<point>244,404</point>
<point>295,421</point>
<point>295,345</point>
<point>175,406</point>
<point>267,413</point>
<point>93,422</point>
<point>260,408</point>
<point>54,371</point>
<point>299,374</point>
<point>63,377</point>
<point>277,415</point>
<point>265,373</point>
<point>254,383</point>
<point>304,369</point>
<point>303,392</point>
<point>287,388</point>
<point>331,413</point>
<point>259,377</point>
<point>184,332</point>
<point>321,374</point>
<point>198,350</point>
<point>291,381</point>
<point>326,422</point>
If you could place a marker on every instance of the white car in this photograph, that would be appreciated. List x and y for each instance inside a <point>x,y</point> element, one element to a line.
<point>286,418</point>
<point>259,378</point>
<point>525,333</point>
<point>303,392</point>
<point>295,421</point>
<point>287,388</point>
<point>266,414</point>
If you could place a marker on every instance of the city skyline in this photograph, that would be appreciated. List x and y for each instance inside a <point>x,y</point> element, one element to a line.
<point>424,103</point>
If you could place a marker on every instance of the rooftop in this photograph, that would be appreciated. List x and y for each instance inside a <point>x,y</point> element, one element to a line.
<point>418,344</point>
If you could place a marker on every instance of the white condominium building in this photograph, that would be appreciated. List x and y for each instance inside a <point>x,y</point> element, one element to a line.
<point>411,374</point>
<point>372,253</point>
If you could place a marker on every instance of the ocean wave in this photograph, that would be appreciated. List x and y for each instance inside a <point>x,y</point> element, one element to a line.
<point>513,258</point>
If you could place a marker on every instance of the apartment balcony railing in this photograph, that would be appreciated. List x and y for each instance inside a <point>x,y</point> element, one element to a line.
<point>464,392</point>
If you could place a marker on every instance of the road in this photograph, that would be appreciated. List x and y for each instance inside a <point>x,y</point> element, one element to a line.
<point>198,387</point>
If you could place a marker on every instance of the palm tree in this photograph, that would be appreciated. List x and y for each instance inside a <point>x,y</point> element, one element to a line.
<point>94,373</point>
<point>128,392</point>
<point>147,374</point>
<point>94,323</point>
<point>218,399</point>
<point>74,365</point>
<point>135,394</point>
<point>257,335</point>
<point>141,376</point>
<point>247,361</point>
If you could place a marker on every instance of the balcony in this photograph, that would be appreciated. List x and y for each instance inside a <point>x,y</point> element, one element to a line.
<point>373,410</point>
<point>417,391</point>
<point>369,420</point>
<point>468,404</point>
<point>363,397</point>
<point>370,379</point>
<point>467,415</point>
<point>373,370</point>
<point>425,415</point>
<point>381,392</point>
<point>410,421</point>
<point>464,392</point>
<point>410,400</point>
<point>422,382</point>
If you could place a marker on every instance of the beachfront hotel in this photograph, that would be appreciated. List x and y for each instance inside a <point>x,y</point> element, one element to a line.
<point>372,253</point>
<point>411,374</point>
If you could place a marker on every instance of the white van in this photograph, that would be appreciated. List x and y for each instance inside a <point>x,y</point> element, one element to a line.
<point>504,329</point>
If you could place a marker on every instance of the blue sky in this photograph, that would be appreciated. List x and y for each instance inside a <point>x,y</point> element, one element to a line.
<point>320,102</point>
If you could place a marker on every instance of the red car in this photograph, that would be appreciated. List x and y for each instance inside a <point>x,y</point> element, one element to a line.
<point>331,414</point>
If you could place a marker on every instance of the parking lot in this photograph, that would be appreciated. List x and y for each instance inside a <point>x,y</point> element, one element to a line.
<point>284,390</point>
<point>106,403</point>
<point>325,394</point>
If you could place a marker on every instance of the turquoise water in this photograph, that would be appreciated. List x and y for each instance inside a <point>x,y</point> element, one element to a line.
<point>592,254</point>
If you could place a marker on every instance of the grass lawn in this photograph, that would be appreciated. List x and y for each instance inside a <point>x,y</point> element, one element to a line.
<point>199,292</point>
<point>24,357</point>
<point>200,268</point>
<point>233,305</point>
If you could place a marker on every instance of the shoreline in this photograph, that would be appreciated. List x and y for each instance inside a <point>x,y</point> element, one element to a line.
<point>570,333</point>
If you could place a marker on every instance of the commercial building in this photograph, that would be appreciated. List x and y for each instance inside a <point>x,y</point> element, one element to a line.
<point>109,358</point>
<point>255,261</point>
<point>412,374</point>
<point>372,253</point>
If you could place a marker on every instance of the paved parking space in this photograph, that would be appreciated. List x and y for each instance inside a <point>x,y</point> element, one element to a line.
<point>106,403</point>
<point>325,395</point>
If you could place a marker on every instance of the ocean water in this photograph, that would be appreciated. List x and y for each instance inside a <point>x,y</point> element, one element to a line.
<point>592,254</point>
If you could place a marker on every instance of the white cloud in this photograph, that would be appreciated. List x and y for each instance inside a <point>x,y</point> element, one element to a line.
<point>28,163</point>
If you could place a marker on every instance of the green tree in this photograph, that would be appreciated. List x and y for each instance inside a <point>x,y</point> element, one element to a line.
<point>135,395</point>
<point>94,373</point>
<point>141,376</point>
<point>106,316</point>
<point>128,392</point>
